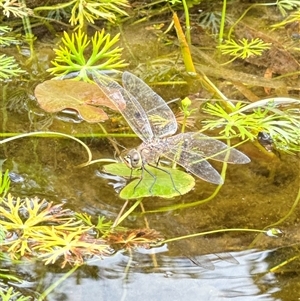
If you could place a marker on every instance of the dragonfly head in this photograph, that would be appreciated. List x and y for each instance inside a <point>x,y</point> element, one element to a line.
<point>133,159</point>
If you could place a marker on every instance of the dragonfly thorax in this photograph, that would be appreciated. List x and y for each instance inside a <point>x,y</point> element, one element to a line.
<point>133,159</point>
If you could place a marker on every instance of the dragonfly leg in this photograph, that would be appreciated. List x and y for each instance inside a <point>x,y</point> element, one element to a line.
<point>141,178</point>
<point>153,176</point>
<point>161,169</point>
<point>131,171</point>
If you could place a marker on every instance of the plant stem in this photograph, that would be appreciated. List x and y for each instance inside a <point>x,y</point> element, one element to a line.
<point>47,134</point>
<point>185,50</point>
<point>245,12</point>
<point>187,22</point>
<point>77,135</point>
<point>57,283</point>
<point>212,232</point>
<point>29,36</point>
<point>127,213</point>
<point>222,24</point>
<point>53,7</point>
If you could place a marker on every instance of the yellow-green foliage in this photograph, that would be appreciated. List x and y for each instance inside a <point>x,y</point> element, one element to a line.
<point>36,227</point>
<point>74,55</point>
<point>246,121</point>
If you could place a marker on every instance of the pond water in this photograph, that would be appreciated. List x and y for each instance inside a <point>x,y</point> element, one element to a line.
<point>230,265</point>
<point>214,267</point>
<point>174,279</point>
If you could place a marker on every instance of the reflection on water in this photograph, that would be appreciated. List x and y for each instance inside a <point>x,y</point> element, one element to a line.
<point>173,279</point>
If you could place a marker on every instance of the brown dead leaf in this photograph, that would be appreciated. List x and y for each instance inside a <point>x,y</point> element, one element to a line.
<point>85,98</point>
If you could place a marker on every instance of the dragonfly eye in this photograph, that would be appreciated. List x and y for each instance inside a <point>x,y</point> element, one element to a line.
<point>133,159</point>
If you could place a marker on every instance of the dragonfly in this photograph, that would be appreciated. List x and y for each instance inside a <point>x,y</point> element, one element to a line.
<point>155,124</point>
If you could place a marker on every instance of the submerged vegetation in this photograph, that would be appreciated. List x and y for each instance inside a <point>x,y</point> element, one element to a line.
<point>71,57</point>
<point>244,48</point>
<point>9,68</point>
<point>83,12</point>
<point>247,121</point>
<point>242,81</point>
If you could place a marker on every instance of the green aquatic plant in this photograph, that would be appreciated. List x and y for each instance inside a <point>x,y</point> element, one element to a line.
<point>186,111</point>
<point>37,228</point>
<point>273,232</point>
<point>163,182</point>
<point>73,55</point>
<point>47,231</point>
<point>10,294</point>
<point>9,68</point>
<point>282,5</point>
<point>222,21</point>
<point>4,183</point>
<point>102,225</point>
<point>92,10</point>
<point>210,21</point>
<point>24,217</point>
<point>73,246</point>
<point>5,39</point>
<point>292,18</point>
<point>2,234</point>
<point>19,9</point>
<point>16,8</point>
<point>88,11</point>
<point>246,121</point>
<point>5,273</point>
<point>243,48</point>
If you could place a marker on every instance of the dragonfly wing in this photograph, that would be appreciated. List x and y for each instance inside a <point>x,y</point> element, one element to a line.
<point>207,147</point>
<point>217,150</point>
<point>128,106</point>
<point>195,164</point>
<point>191,150</point>
<point>159,114</point>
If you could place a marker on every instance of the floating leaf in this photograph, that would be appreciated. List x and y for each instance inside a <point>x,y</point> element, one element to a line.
<point>162,184</point>
<point>57,95</point>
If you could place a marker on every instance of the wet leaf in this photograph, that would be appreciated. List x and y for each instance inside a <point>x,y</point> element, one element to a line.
<point>85,98</point>
<point>162,187</point>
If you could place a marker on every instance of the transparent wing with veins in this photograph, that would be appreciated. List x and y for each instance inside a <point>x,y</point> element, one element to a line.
<point>161,117</point>
<point>190,150</point>
<point>128,106</point>
<point>150,117</point>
